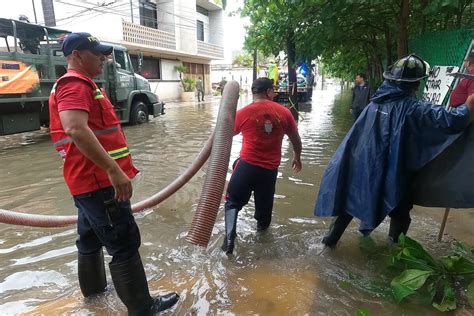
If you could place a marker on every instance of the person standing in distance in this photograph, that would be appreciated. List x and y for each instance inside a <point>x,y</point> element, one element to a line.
<point>263,124</point>
<point>97,169</point>
<point>361,95</point>
<point>200,89</point>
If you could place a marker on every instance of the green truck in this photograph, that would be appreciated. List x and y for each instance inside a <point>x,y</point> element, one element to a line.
<point>32,61</point>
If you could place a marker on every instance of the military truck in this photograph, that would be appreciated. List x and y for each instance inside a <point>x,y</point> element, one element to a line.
<point>32,61</point>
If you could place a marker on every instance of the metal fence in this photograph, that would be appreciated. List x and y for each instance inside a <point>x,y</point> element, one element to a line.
<point>443,48</point>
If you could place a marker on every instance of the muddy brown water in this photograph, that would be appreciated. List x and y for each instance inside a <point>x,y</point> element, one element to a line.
<point>282,272</point>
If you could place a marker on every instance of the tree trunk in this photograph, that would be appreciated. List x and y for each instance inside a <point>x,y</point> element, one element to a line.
<point>322,78</point>
<point>402,41</point>
<point>388,45</point>
<point>254,74</point>
<point>292,84</point>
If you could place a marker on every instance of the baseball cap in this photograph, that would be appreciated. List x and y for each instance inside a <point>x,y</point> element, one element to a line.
<point>81,41</point>
<point>261,85</point>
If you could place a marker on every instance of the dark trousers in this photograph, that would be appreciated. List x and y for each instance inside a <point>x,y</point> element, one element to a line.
<point>356,113</point>
<point>247,178</point>
<point>200,95</point>
<point>96,227</point>
<point>402,211</point>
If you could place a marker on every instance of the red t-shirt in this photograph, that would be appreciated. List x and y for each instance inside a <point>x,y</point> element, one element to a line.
<point>464,89</point>
<point>84,176</point>
<point>263,124</point>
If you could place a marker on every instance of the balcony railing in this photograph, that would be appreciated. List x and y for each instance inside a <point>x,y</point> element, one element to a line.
<point>210,50</point>
<point>143,35</point>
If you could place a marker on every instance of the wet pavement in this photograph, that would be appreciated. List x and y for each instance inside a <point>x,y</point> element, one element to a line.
<point>281,272</point>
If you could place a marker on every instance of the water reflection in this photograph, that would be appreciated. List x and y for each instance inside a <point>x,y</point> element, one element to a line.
<point>284,271</point>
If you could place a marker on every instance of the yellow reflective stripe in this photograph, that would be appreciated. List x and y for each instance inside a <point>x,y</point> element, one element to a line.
<point>98,132</point>
<point>119,153</point>
<point>98,94</point>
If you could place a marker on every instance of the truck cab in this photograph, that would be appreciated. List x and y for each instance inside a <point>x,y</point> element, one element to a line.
<point>32,61</point>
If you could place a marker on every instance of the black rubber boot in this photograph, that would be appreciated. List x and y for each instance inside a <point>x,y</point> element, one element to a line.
<point>336,230</point>
<point>397,226</point>
<point>230,230</point>
<point>132,288</point>
<point>261,227</point>
<point>91,273</point>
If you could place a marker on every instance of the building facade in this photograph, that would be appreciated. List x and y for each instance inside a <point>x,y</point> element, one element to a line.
<point>166,33</point>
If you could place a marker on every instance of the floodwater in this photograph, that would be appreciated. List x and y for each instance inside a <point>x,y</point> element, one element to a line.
<point>284,271</point>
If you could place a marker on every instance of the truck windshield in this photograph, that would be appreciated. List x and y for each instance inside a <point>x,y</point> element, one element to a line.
<point>121,58</point>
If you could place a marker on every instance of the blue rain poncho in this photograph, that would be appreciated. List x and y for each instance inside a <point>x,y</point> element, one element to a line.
<point>395,136</point>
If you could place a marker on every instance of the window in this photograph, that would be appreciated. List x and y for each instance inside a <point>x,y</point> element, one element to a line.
<point>200,30</point>
<point>122,61</point>
<point>148,16</point>
<point>150,68</point>
<point>195,69</point>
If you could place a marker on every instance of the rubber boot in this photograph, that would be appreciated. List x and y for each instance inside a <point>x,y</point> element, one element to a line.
<point>230,230</point>
<point>263,226</point>
<point>398,226</point>
<point>91,273</point>
<point>336,230</point>
<point>132,288</point>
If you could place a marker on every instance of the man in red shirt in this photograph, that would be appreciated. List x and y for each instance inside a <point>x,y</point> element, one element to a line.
<point>465,87</point>
<point>97,169</point>
<point>263,124</point>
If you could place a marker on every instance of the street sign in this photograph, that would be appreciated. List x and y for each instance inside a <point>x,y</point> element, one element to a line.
<point>439,83</point>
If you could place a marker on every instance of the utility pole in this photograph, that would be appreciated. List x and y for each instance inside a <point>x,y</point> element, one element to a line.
<point>131,9</point>
<point>34,11</point>
<point>48,12</point>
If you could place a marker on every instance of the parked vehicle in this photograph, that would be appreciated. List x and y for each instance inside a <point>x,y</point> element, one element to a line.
<point>302,89</point>
<point>32,61</point>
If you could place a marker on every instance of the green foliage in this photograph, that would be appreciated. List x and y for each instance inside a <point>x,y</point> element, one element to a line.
<point>349,36</point>
<point>470,293</point>
<point>433,278</point>
<point>181,69</point>
<point>243,59</point>
<point>363,312</point>
<point>189,84</point>
<point>408,282</point>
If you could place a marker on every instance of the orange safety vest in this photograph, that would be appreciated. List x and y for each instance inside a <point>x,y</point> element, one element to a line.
<point>81,174</point>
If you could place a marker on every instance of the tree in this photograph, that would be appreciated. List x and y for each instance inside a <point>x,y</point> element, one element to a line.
<point>243,59</point>
<point>188,84</point>
<point>273,29</point>
<point>349,36</point>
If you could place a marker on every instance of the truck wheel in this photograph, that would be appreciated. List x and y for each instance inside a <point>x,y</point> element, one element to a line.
<point>138,113</point>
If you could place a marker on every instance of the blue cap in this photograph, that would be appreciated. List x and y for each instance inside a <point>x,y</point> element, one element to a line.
<point>81,41</point>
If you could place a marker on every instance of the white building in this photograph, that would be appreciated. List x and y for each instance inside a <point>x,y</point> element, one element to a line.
<point>166,32</point>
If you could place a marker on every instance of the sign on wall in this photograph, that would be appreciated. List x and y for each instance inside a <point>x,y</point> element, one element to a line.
<point>438,83</point>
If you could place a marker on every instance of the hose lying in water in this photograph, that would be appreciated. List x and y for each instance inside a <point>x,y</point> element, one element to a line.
<point>211,195</point>
<point>35,220</point>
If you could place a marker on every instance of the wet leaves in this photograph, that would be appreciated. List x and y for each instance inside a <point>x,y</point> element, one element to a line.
<point>408,282</point>
<point>470,293</point>
<point>433,279</point>
<point>363,312</point>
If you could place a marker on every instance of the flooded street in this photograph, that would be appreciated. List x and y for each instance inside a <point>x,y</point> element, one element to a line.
<point>280,272</point>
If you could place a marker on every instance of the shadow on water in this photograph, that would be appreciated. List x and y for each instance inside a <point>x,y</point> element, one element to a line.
<point>281,272</point>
